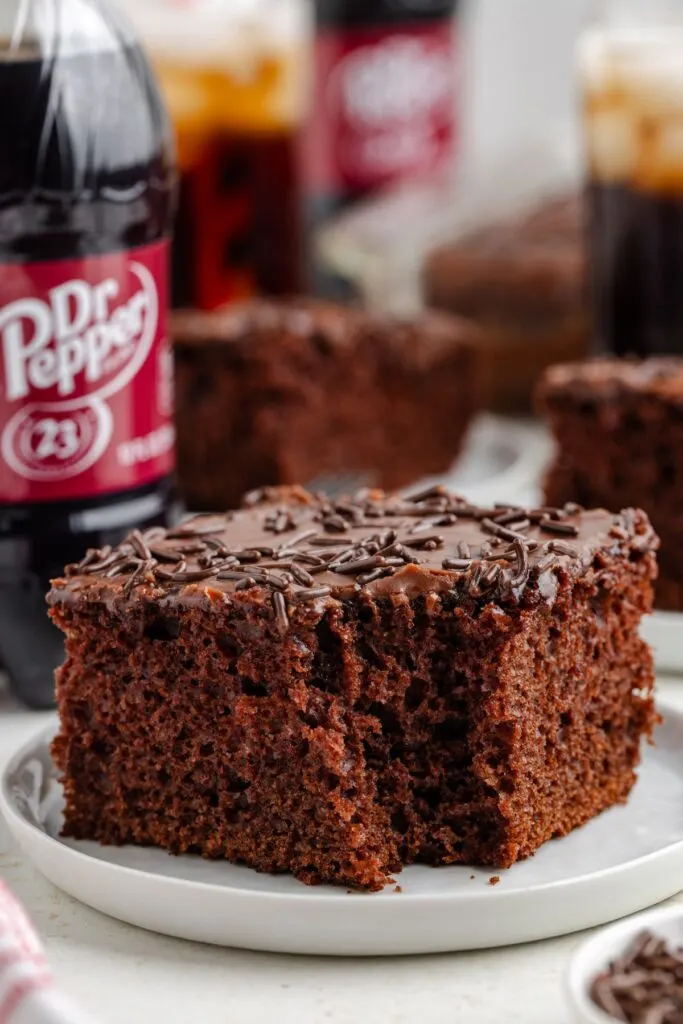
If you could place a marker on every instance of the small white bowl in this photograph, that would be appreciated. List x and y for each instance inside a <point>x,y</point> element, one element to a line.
<point>596,954</point>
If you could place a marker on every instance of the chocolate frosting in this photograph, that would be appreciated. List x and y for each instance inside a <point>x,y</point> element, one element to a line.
<point>604,380</point>
<point>296,549</point>
<point>331,326</point>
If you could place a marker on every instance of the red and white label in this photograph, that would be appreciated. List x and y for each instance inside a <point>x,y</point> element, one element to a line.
<point>86,376</point>
<point>385,105</point>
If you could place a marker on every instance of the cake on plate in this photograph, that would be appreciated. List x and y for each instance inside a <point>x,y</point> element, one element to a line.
<point>339,689</point>
<point>283,392</point>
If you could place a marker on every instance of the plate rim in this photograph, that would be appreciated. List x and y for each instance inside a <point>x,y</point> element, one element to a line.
<point>317,895</point>
<point>662,630</point>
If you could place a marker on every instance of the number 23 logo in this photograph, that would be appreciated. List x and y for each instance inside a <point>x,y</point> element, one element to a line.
<point>56,439</point>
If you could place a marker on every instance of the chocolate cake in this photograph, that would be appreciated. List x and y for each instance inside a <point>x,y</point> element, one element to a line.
<point>522,281</point>
<point>283,392</point>
<point>337,689</point>
<point>619,431</point>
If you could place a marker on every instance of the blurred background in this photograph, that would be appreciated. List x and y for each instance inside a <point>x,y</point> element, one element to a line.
<point>397,155</point>
<point>520,71</point>
<point>246,67</point>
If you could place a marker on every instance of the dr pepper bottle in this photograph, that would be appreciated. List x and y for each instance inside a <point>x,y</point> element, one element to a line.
<point>385,100</point>
<point>87,182</point>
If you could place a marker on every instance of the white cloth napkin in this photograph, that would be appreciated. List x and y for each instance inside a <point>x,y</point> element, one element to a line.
<point>28,991</point>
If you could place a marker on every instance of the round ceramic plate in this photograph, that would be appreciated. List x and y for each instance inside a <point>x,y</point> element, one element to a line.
<point>625,860</point>
<point>664,631</point>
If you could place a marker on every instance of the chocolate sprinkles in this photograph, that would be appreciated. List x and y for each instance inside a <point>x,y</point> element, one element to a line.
<point>185,576</point>
<point>314,594</point>
<point>438,491</point>
<point>362,541</point>
<point>491,575</point>
<point>457,564</point>
<point>352,568</point>
<point>430,543</point>
<point>280,609</point>
<point>301,575</point>
<point>553,526</point>
<point>644,985</point>
<point>504,532</point>
<point>103,559</point>
<point>143,568</point>
<point>560,547</point>
<point>165,554</point>
<point>522,574</point>
<point>140,546</point>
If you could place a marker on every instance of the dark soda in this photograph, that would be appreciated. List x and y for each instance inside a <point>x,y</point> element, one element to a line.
<point>234,76</point>
<point>632,80</point>
<point>636,247</point>
<point>238,231</point>
<point>87,182</point>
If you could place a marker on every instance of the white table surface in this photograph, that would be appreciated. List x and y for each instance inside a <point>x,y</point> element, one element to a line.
<point>121,974</point>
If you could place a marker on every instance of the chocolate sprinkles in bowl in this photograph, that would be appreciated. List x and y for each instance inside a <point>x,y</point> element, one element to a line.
<point>644,985</point>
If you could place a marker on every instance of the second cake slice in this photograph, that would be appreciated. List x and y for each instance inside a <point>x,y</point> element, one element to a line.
<point>302,391</point>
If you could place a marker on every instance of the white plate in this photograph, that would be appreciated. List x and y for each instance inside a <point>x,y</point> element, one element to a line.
<point>664,631</point>
<point>627,859</point>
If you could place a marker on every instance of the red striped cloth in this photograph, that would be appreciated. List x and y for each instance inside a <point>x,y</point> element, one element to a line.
<point>28,992</point>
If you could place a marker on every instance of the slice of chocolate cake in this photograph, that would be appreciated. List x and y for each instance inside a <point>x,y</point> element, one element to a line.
<point>619,431</point>
<point>337,690</point>
<point>284,392</point>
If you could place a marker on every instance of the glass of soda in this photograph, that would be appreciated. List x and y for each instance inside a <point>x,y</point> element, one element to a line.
<point>235,77</point>
<point>631,74</point>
